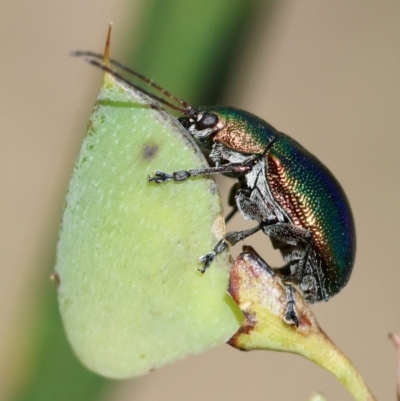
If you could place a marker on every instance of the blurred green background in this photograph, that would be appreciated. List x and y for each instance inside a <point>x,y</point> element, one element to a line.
<point>325,73</point>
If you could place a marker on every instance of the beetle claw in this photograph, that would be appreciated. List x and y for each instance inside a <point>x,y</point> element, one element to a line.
<point>160,177</point>
<point>206,261</point>
<point>290,316</point>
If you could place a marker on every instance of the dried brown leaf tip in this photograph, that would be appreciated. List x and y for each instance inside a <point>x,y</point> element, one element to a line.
<point>106,55</point>
<point>261,295</point>
<point>396,341</point>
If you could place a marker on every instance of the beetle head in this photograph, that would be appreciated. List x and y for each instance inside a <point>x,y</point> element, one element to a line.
<point>202,125</point>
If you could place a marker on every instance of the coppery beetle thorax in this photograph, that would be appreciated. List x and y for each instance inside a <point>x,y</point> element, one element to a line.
<point>241,131</point>
<point>234,137</point>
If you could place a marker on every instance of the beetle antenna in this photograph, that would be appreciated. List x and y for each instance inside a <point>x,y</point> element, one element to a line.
<point>185,111</point>
<point>92,55</point>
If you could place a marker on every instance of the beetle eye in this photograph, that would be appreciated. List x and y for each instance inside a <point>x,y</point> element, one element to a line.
<point>208,120</point>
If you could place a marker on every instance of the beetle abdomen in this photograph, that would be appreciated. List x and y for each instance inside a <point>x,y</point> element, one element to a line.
<point>314,200</point>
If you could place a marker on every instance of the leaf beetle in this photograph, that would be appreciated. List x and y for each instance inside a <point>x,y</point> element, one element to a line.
<point>292,196</point>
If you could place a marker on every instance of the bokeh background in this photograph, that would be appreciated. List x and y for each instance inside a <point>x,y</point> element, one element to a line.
<point>326,73</point>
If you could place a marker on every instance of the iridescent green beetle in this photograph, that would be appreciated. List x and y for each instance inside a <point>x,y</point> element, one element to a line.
<point>295,199</point>
<point>292,196</point>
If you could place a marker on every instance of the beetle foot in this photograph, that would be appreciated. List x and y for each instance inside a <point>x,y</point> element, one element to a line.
<point>290,316</point>
<point>161,177</point>
<point>206,261</point>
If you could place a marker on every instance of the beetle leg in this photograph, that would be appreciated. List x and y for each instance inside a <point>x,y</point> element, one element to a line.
<point>235,236</point>
<point>252,206</point>
<point>230,239</point>
<point>232,202</point>
<point>183,175</point>
<point>206,260</point>
<point>290,316</point>
<point>231,214</point>
<point>289,234</point>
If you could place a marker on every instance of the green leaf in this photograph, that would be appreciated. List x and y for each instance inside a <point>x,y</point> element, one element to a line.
<point>130,294</point>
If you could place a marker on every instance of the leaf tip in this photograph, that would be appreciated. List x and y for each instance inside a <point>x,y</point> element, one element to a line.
<point>106,54</point>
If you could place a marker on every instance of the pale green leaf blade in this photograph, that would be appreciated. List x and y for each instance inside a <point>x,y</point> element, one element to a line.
<point>130,294</point>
